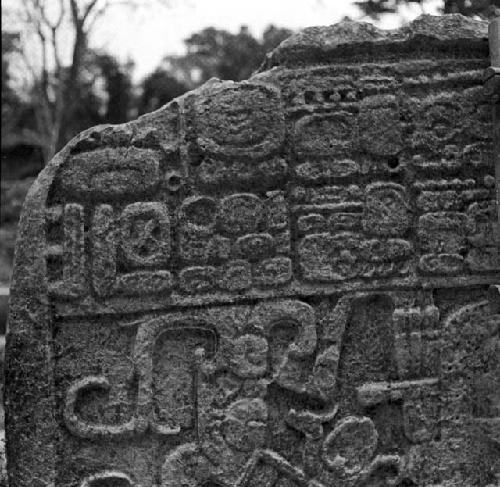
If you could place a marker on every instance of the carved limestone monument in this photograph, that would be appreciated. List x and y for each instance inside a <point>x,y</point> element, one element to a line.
<point>290,281</point>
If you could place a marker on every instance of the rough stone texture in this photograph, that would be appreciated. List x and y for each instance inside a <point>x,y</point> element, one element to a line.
<point>284,282</point>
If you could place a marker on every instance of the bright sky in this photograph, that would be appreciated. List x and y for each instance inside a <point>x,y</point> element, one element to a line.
<point>147,35</point>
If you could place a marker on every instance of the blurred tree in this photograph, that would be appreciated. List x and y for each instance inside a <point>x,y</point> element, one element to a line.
<point>231,56</point>
<point>116,89</point>
<point>159,88</point>
<point>481,8</point>
<point>210,53</point>
<point>10,100</point>
<point>60,30</point>
<point>273,36</point>
<point>218,53</point>
<point>215,52</point>
<point>17,117</point>
<point>103,94</point>
<point>55,91</point>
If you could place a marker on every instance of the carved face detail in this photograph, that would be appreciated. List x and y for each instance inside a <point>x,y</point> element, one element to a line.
<point>225,127</point>
<point>249,356</point>
<point>386,211</point>
<point>146,234</point>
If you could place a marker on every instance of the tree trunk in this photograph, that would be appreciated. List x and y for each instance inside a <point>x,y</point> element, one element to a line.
<point>69,93</point>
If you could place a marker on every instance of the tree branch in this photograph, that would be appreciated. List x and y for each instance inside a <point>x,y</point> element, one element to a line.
<point>89,9</point>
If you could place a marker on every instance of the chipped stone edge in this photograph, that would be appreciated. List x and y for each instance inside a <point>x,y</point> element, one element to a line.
<point>341,39</point>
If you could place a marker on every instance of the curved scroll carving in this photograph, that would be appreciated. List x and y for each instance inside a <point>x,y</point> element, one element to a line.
<point>151,245</point>
<point>85,429</point>
<point>184,374</point>
<point>338,451</point>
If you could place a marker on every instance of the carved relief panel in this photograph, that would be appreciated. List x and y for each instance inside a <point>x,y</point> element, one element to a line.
<point>211,382</point>
<point>288,281</point>
<point>348,390</point>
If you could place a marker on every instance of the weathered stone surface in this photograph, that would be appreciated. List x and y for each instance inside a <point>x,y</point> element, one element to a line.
<point>289,281</point>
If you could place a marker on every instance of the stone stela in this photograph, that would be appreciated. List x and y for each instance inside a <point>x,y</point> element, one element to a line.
<point>290,281</point>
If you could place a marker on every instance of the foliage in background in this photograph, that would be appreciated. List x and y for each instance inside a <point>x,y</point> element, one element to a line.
<point>12,195</point>
<point>210,53</point>
<point>10,99</point>
<point>61,69</point>
<point>56,87</point>
<point>159,88</point>
<point>481,8</point>
<point>217,53</point>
